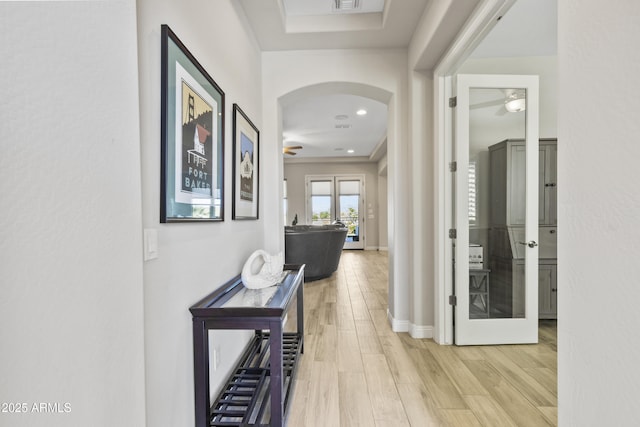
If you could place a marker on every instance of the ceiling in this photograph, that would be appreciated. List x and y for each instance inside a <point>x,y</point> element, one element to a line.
<point>528,29</point>
<point>329,126</point>
<point>311,24</point>
<point>315,7</point>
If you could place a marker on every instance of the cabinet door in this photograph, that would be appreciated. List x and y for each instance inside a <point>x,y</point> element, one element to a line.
<point>550,189</point>
<point>547,175</point>
<point>517,185</point>
<point>543,204</point>
<point>547,291</point>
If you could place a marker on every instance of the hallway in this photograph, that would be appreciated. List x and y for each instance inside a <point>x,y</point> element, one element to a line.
<point>357,372</point>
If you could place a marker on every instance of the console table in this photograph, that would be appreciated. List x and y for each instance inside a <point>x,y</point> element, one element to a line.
<point>257,392</point>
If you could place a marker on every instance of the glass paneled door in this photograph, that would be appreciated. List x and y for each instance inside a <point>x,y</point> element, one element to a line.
<point>321,203</point>
<point>349,210</point>
<point>496,209</point>
<point>338,198</point>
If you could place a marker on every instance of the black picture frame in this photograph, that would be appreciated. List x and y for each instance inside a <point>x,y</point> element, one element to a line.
<point>246,167</point>
<point>192,134</point>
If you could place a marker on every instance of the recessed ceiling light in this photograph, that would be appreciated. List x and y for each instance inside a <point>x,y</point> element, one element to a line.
<point>361,112</point>
<point>350,151</point>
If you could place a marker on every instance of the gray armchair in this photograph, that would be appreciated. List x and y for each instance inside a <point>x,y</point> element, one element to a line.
<point>317,246</point>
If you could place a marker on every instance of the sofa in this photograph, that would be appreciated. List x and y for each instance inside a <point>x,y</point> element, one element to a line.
<point>317,246</point>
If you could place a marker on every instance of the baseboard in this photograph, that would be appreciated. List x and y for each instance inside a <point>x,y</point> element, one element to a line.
<point>421,331</point>
<point>383,248</point>
<point>397,325</point>
<point>370,248</point>
<point>416,331</point>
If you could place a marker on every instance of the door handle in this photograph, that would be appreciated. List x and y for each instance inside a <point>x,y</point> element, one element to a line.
<point>530,243</point>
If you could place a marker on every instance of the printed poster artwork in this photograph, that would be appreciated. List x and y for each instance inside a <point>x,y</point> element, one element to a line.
<point>246,168</point>
<point>197,143</point>
<point>196,129</point>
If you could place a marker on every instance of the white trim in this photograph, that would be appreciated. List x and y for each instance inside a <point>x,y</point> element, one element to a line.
<point>383,248</point>
<point>421,331</point>
<point>397,325</point>
<point>478,25</point>
<point>370,248</point>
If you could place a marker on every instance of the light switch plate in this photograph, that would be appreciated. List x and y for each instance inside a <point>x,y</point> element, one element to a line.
<point>150,244</point>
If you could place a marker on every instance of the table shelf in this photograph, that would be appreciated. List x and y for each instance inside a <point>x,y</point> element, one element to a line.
<point>245,400</point>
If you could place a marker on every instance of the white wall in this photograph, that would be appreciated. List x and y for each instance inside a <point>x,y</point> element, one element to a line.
<point>194,259</point>
<point>383,205</point>
<point>420,204</point>
<point>71,306</point>
<point>295,173</point>
<point>381,71</point>
<point>599,207</point>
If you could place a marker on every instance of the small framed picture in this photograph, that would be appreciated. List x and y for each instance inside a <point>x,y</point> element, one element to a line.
<point>192,120</point>
<point>246,166</point>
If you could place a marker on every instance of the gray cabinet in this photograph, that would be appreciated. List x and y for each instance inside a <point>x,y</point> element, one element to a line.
<point>547,289</point>
<point>507,181</point>
<point>506,256</point>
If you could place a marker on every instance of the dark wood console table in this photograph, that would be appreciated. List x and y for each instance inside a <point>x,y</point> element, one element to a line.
<point>257,392</point>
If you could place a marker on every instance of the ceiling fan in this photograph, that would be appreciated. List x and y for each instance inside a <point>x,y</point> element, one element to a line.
<point>291,149</point>
<point>514,101</point>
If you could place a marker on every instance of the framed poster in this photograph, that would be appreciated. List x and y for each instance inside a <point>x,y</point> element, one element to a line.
<point>246,166</point>
<point>192,121</point>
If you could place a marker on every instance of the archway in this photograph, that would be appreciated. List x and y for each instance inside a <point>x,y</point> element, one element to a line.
<point>388,167</point>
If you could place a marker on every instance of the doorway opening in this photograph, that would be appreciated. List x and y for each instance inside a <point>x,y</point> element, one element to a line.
<point>489,23</point>
<point>338,200</point>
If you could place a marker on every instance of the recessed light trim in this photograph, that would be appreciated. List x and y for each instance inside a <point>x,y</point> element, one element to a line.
<point>361,112</point>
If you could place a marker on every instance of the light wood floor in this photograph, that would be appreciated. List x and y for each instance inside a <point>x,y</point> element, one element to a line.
<point>356,372</point>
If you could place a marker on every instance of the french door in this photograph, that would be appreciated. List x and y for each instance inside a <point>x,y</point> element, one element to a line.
<point>340,198</point>
<point>496,256</point>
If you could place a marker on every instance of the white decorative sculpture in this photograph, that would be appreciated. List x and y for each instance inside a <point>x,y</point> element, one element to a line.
<point>269,274</point>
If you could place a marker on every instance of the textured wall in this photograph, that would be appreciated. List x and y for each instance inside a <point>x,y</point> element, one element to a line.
<point>70,231</point>
<point>599,207</point>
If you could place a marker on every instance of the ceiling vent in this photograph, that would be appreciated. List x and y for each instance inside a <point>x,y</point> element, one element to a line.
<point>346,5</point>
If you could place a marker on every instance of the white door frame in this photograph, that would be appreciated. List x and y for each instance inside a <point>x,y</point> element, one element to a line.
<point>360,244</point>
<point>496,330</point>
<point>335,178</point>
<point>307,195</point>
<point>477,27</point>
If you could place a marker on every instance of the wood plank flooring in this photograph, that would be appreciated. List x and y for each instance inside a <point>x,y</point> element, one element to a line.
<point>356,371</point>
